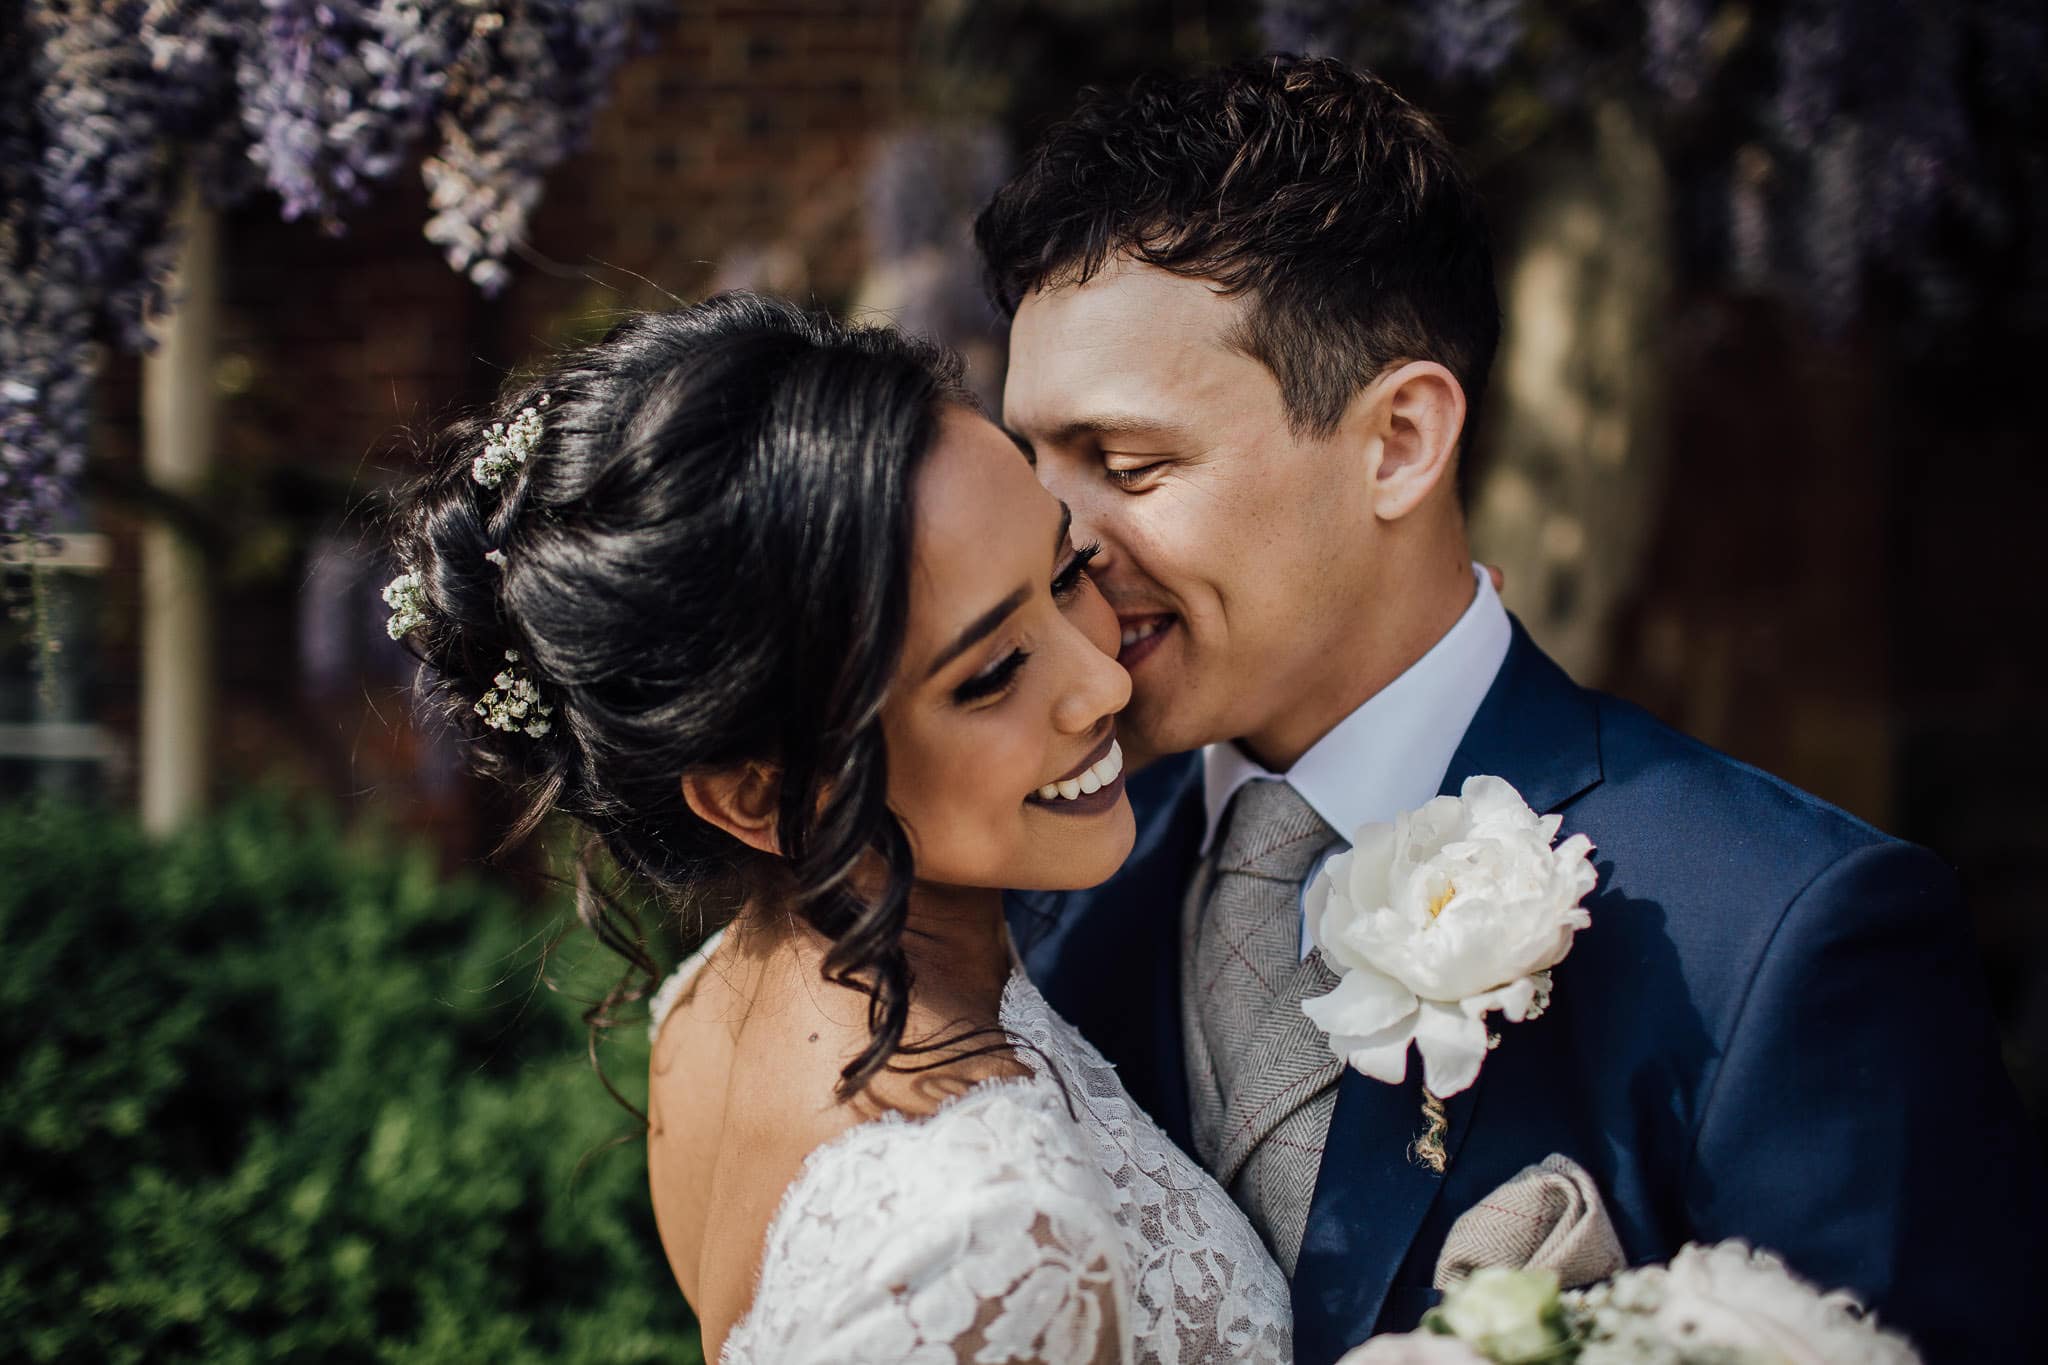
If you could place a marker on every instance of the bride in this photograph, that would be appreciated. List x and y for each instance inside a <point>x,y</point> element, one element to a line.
<point>765,603</point>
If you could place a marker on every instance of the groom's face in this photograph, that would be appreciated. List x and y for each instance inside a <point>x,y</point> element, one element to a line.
<point>1233,547</point>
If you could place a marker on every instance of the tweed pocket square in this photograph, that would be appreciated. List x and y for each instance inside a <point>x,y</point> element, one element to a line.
<point>1550,1216</point>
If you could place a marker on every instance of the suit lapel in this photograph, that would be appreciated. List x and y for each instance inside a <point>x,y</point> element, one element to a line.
<point>1537,729</point>
<point>1540,731</point>
<point>1369,1203</point>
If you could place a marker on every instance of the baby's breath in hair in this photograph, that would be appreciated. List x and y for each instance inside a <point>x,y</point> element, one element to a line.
<point>406,596</point>
<point>508,447</point>
<point>513,702</point>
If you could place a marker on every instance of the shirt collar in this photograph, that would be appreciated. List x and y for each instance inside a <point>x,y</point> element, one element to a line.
<point>1391,754</point>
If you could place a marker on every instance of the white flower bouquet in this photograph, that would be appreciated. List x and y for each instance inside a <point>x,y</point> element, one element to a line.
<point>1725,1304</point>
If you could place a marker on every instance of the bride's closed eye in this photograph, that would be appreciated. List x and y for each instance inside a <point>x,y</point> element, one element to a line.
<point>1067,581</point>
<point>995,680</point>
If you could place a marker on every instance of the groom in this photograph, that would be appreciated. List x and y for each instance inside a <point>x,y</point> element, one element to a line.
<point>1253,317</point>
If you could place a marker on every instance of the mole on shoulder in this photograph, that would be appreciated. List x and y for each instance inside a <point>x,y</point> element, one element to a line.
<point>814,1037</point>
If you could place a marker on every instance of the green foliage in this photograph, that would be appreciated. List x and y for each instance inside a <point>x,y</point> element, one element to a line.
<point>275,1092</point>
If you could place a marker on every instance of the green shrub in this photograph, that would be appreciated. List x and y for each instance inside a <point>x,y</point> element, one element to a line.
<point>273,1092</point>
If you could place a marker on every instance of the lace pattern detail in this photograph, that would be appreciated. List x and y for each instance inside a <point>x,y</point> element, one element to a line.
<point>1203,1286</point>
<point>1000,1229</point>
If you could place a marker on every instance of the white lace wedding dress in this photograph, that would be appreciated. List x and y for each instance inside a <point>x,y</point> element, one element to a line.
<point>1005,1227</point>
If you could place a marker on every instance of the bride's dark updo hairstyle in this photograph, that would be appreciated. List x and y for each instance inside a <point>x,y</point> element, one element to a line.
<point>706,561</point>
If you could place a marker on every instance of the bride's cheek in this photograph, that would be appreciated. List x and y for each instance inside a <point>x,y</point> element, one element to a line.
<point>1098,621</point>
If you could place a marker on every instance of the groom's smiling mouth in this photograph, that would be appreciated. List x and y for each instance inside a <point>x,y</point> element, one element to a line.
<point>1142,636</point>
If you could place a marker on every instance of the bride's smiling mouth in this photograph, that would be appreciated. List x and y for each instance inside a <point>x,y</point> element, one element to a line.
<point>1094,786</point>
<point>1142,636</point>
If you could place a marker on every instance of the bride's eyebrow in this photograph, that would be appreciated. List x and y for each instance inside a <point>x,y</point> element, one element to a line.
<point>979,629</point>
<point>982,626</point>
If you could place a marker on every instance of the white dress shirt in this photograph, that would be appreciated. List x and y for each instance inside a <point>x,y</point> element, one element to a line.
<point>1391,754</point>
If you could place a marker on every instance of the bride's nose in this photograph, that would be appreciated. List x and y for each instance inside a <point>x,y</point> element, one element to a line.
<point>1095,685</point>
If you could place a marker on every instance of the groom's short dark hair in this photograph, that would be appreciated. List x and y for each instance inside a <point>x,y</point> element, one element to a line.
<point>1335,205</point>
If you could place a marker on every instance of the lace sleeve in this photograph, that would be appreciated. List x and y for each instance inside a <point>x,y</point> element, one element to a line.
<point>981,1234</point>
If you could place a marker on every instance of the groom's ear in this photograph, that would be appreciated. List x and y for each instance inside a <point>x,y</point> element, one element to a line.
<point>1416,413</point>
<point>741,801</point>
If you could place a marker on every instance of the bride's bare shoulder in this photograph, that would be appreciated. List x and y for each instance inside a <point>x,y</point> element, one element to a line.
<point>742,1088</point>
<point>760,1026</point>
<point>750,1047</point>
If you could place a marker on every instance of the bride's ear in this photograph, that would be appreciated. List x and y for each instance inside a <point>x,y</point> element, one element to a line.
<point>741,801</point>
<point>1417,419</point>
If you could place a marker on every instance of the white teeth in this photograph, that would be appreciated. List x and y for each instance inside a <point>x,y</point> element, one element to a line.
<point>1133,634</point>
<point>1091,780</point>
<point>1112,763</point>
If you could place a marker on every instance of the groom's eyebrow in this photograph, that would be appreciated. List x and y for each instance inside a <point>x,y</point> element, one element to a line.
<point>1109,424</point>
<point>982,626</point>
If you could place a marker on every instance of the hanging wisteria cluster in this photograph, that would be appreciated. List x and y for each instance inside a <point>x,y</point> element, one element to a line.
<point>1815,138</point>
<point>106,106</point>
<point>923,188</point>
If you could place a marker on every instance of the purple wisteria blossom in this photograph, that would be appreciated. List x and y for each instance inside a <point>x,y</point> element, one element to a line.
<point>104,179</point>
<point>1812,52</point>
<point>1833,135</point>
<point>1467,38</point>
<point>107,107</point>
<point>1674,42</point>
<point>922,192</point>
<point>194,48</point>
<point>926,184</point>
<point>522,95</point>
<point>83,240</point>
<point>335,95</point>
<point>1309,28</point>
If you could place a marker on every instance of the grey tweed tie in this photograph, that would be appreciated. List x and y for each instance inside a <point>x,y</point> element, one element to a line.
<point>1261,1077</point>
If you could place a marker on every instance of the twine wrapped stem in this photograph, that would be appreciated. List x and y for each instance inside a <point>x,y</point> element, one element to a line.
<point>1428,1149</point>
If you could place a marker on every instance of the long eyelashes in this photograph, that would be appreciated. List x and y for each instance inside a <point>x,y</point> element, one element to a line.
<point>992,681</point>
<point>1068,580</point>
<point>996,679</point>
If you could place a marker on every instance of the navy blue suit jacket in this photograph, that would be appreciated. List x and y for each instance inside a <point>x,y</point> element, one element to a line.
<point>1775,1028</point>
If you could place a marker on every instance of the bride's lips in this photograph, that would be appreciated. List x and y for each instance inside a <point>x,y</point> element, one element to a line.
<point>1086,803</point>
<point>1142,636</point>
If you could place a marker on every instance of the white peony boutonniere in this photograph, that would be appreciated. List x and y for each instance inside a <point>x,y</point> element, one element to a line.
<point>1454,911</point>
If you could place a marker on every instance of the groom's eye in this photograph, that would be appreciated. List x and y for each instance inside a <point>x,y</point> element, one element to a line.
<point>1133,476</point>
